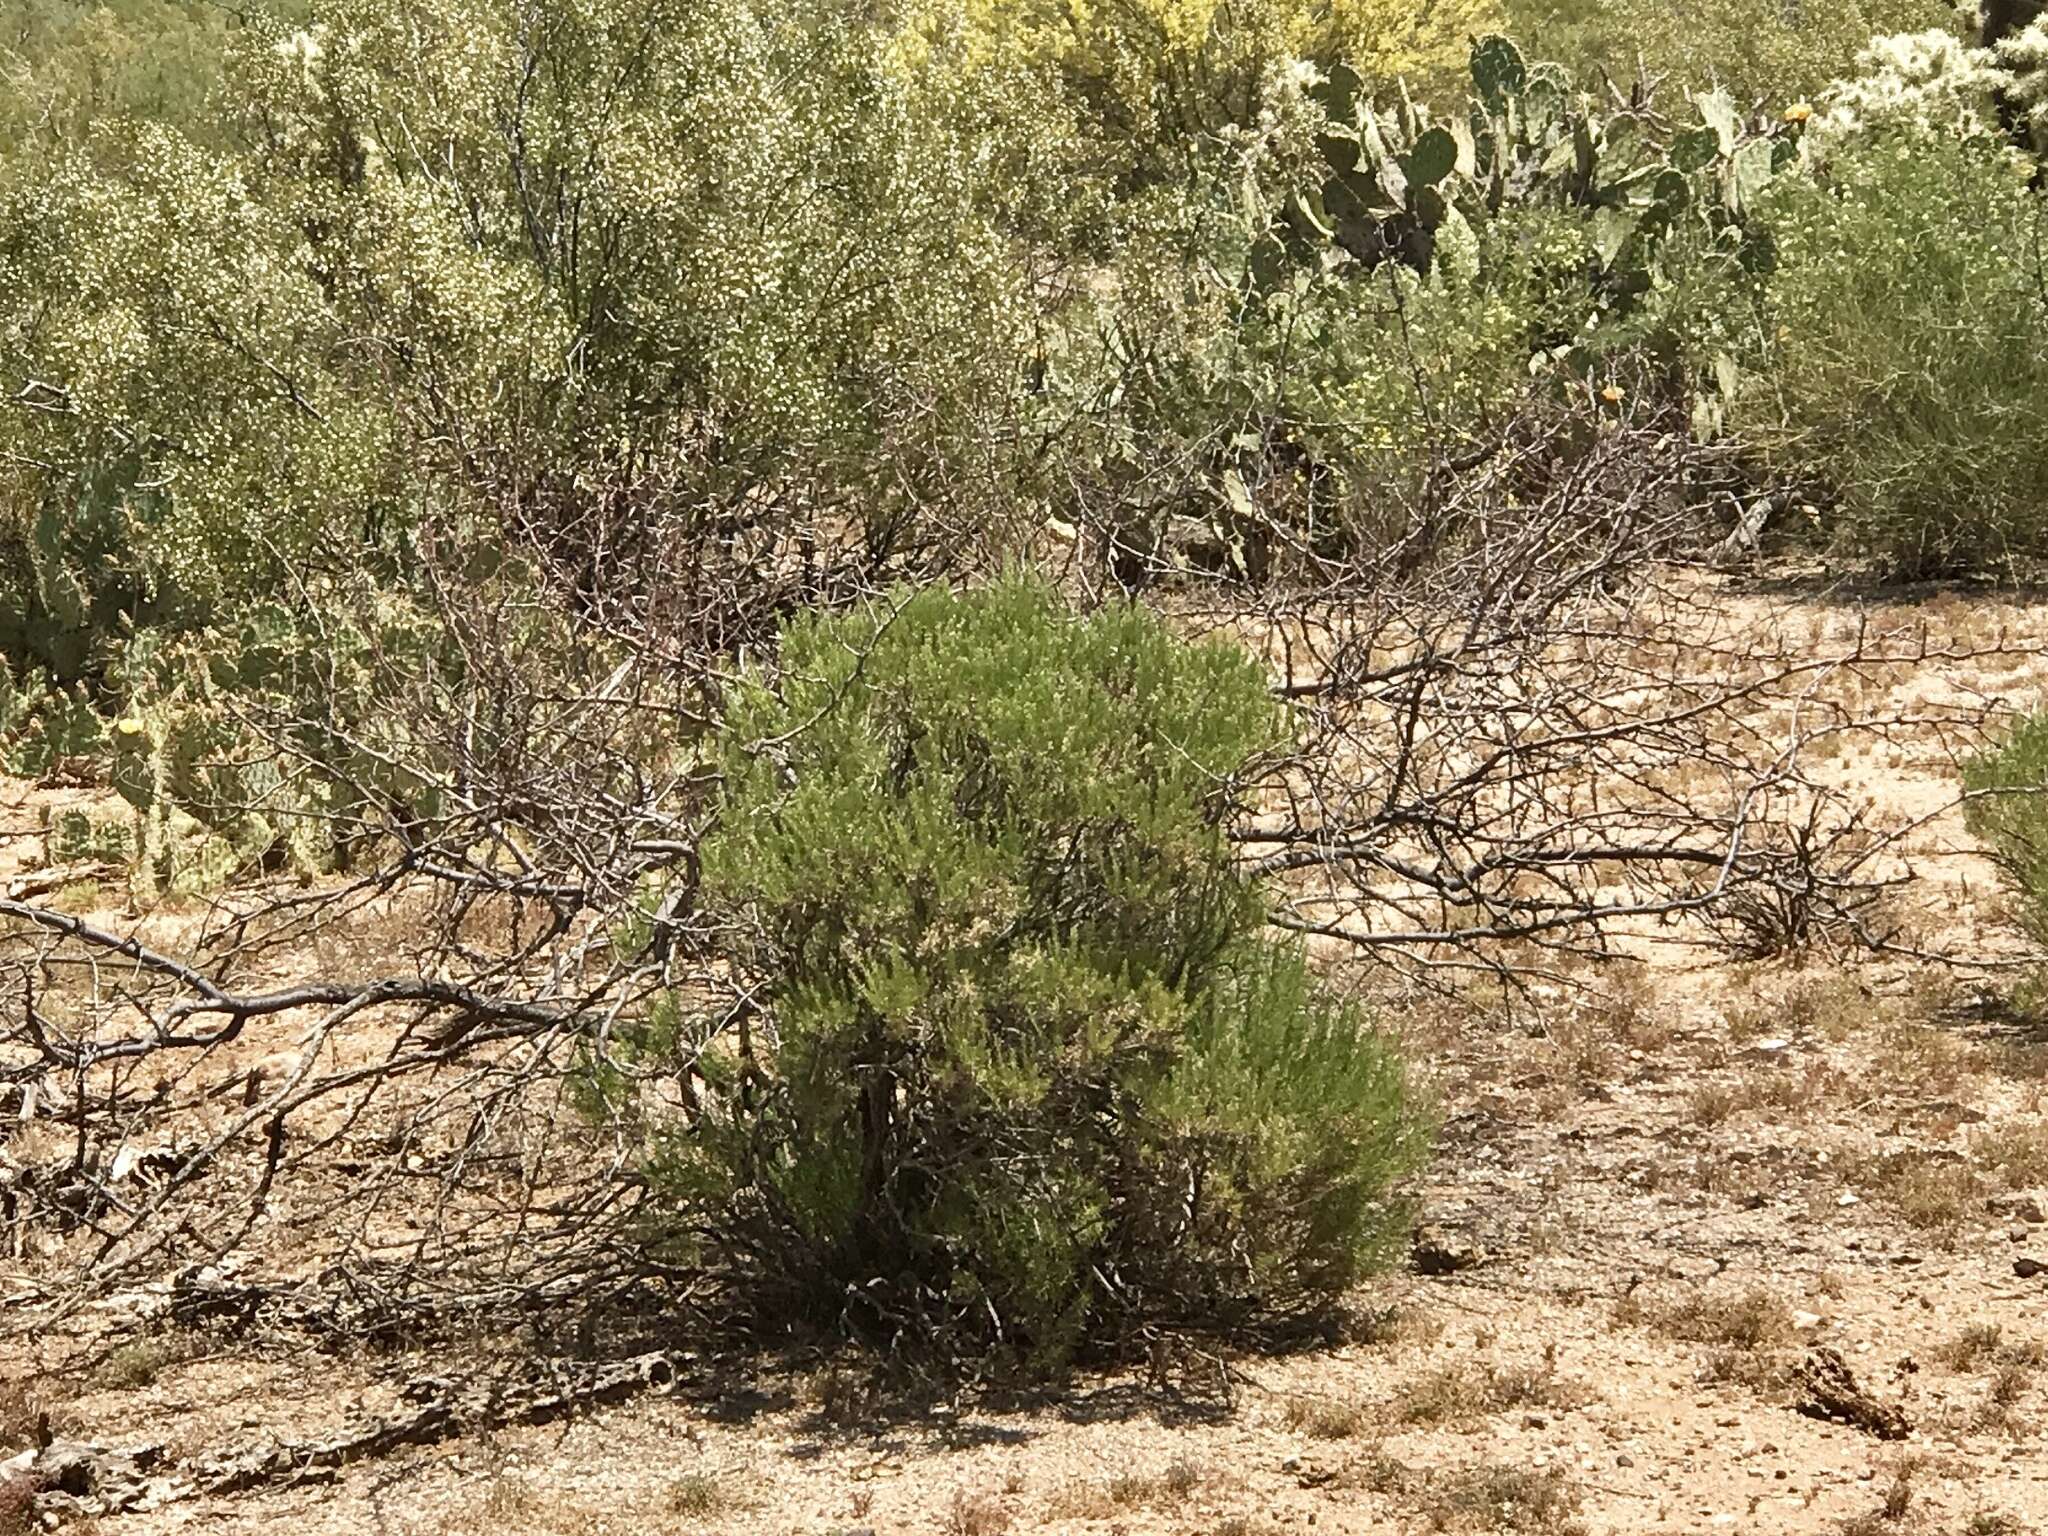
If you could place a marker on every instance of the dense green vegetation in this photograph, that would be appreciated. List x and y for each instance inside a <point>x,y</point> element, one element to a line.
<point>1777,53</point>
<point>2006,810</point>
<point>289,294</point>
<point>1034,1065</point>
<point>489,278</point>
<point>71,63</point>
<point>369,370</point>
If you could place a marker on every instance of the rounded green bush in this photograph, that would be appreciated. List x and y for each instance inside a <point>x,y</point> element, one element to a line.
<point>1030,1073</point>
<point>1906,329</point>
<point>2008,810</point>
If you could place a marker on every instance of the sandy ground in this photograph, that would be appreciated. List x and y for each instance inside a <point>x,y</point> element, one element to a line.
<point>1659,1190</point>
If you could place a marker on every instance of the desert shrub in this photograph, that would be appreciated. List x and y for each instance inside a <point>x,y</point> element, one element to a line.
<point>1154,77</point>
<point>66,63</point>
<point>2009,811</point>
<point>277,354</point>
<point>803,303</point>
<point>1906,348</point>
<point>1034,1073</point>
<point>1756,48</point>
<point>1401,293</point>
<point>155,462</point>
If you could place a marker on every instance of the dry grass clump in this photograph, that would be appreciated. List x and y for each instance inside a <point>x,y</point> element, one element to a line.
<point>699,1495</point>
<point>1982,1344</point>
<point>1324,1418</point>
<point>2000,1411</point>
<point>975,1514</point>
<point>1494,1498</point>
<point>1711,1103</point>
<point>1625,1004</point>
<point>2016,1155</point>
<point>517,1503</point>
<point>2013,1365</point>
<point>1936,1192</point>
<point>1170,1485</point>
<point>1381,1327</point>
<point>1761,1088</point>
<point>1590,1041</point>
<point>1898,1493</point>
<point>1745,1180</point>
<point>81,898</point>
<point>2019,1060</point>
<point>1751,1320</point>
<point>1969,1349</point>
<point>1932,1059</point>
<point>1464,1391</point>
<point>138,1364</point>
<point>1741,1333</point>
<point>840,1394</point>
<point>510,1497</point>
<point>1892,1509</point>
<point>1725,1365</point>
<point>1098,1500</point>
<point>1581,1052</point>
<point>1831,1004</point>
<point>1936,1195</point>
<point>1377,1472</point>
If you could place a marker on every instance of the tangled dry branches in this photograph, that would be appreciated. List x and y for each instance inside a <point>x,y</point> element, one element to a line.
<point>1527,727</point>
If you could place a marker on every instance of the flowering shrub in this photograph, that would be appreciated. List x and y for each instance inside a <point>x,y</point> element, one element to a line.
<point>1905,363</point>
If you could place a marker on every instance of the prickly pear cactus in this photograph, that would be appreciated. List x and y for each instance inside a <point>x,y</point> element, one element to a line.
<point>1396,178</point>
<point>137,768</point>
<point>53,731</point>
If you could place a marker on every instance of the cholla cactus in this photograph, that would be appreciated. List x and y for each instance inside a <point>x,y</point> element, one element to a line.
<point>1921,79</point>
<point>1936,81</point>
<point>2023,60</point>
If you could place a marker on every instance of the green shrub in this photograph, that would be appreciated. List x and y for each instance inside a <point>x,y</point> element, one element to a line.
<point>1906,348</point>
<point>66,63</point>
<point>1154,75</point>
<point>1035,1075</point>
<point>1401,282</point>
<point>267,357</point>
<point>2009,811</point>
<point>1756,48</point>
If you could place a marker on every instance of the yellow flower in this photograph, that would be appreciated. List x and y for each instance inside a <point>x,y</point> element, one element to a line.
<point>1612,394</point>
<point>130,727</point>
<point>1798,112</point>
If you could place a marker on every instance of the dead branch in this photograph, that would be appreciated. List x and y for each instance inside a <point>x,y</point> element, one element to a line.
<point>1528,727</point>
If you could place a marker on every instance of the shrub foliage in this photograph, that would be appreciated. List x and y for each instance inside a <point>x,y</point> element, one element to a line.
<point>1907,337</point>
<point>2009,810</point>
<point>1026,1066</point>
